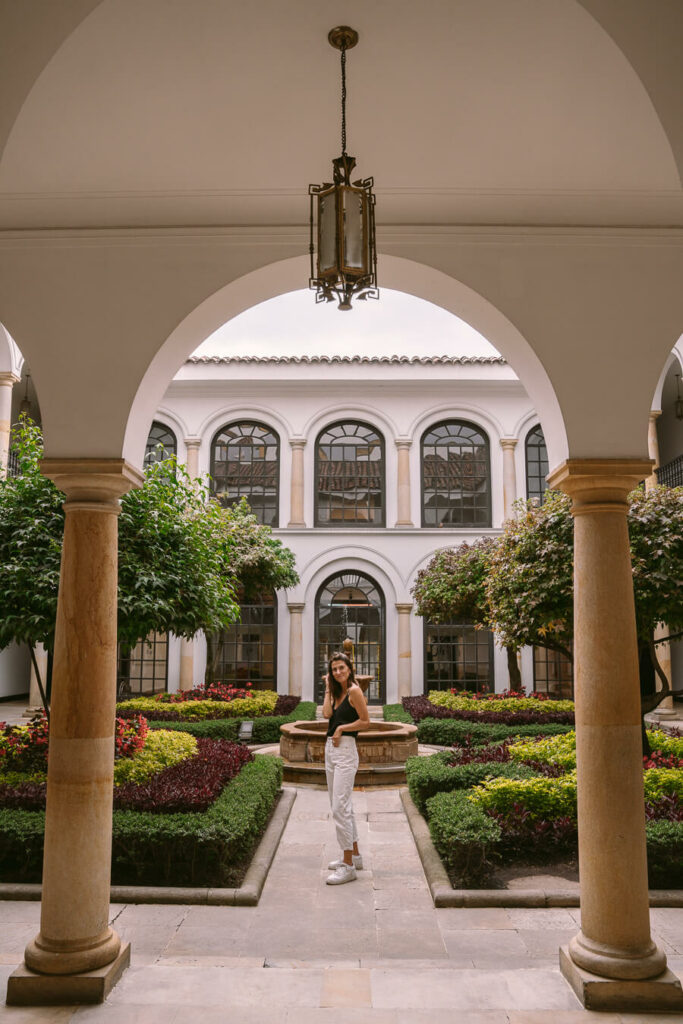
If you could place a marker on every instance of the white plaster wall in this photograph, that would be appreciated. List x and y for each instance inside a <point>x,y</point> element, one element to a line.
<point>15,671</point>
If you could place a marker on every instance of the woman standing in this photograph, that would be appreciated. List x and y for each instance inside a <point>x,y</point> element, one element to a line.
<point>345,707</point>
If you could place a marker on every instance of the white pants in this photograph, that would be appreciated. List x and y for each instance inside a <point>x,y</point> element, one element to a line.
<point>341,764</point>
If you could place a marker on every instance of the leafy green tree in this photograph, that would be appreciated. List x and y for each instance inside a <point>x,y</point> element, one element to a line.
<point>530,584</point>
<point>259,561</point>
<point>181,556</point>
<point>452,588</point>
<point>31,529</point>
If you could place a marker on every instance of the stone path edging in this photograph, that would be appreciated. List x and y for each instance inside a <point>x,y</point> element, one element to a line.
<point>247,895</point>
<point>444,895</point>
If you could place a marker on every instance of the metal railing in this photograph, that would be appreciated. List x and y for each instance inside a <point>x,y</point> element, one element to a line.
<point>12,464</point>
<point>671,475</point>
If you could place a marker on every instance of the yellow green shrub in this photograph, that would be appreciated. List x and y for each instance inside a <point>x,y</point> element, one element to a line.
<point>670,746</point>
<point>261,703</point>
<point>559,750</point>
<point>659,782</point>
<point>458,702</point>
<point>541,797</point>
<point>161,750</point>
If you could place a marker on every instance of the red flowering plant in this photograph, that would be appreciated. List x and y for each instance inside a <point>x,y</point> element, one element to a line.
<point>24,748</point>
<point>213,691</point>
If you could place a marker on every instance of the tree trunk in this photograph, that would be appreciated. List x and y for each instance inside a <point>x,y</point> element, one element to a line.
<point>513,670</point>
<point>43,695</point>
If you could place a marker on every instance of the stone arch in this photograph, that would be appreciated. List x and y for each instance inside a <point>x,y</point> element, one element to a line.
<point>398,273</point>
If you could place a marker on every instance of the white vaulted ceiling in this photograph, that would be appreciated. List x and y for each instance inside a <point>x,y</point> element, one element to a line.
<point>169,112</point>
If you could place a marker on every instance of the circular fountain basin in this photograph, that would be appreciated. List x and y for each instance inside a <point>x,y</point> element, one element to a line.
<point>382,752</point>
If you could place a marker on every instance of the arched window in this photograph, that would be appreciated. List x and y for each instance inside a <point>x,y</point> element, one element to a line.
<point>349,616</point>
<point>245,461</point>
<point>456,475</point>
<point>458,656</point>
<point>536,464</point>
<point>161,443</point>
<point>246,652</point>
<point>349,473</point>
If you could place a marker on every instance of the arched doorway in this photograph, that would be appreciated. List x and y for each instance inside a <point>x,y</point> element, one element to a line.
<point>351,606</point>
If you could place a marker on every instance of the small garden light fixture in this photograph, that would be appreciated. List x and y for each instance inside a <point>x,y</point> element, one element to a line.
<point>342,217</point>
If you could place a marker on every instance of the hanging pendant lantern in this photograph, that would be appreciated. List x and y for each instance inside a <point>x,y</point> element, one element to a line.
<point>342,218</point>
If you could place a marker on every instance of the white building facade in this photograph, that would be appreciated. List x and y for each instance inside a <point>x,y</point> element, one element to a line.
<point>384,424</point>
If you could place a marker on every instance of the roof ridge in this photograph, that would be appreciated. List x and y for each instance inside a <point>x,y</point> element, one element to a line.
<point>357,359</point>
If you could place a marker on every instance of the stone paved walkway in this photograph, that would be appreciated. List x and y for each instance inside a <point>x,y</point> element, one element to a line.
<point>372,951</point>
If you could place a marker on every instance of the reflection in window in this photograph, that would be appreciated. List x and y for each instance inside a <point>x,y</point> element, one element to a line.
<point>247,650</point>
<point>455,476</point>
<point>350,607</point>
<point>161,444</point>
<point>553,674</point>
<point>245,461</point>
<point>350,476</point>
<point>536,465</point>
<point>458,656</point>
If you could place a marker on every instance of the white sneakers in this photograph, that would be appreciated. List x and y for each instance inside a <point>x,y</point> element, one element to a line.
<point>357,862</point>
<point>342,873</point>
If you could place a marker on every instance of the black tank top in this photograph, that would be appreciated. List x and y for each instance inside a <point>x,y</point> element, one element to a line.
<point>344,714</point>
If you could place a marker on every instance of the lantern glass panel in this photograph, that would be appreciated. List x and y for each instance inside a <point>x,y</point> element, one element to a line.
<point>354,241</point>
<point>327,248</point>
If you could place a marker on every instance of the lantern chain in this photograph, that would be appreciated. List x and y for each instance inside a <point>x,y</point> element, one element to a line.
<point>343,100</point>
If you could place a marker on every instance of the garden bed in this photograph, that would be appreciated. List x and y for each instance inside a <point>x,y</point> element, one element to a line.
<point>188,811</point>
<point>512,806</point>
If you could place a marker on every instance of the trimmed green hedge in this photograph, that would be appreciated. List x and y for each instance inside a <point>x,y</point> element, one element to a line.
<point>465,838</point>
<point>266,729</point>
<point>665,854</point>
<point>210,848</point>
<point>427,776</point>
<point>452,732</point>
<point>397,713</point>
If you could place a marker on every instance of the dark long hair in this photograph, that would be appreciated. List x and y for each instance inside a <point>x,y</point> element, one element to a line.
<point>336,687</point>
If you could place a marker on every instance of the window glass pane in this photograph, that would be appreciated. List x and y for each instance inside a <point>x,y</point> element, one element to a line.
<point>162,436</point>
<point>144,668</point>
<point>458,656</point>
<point>350,476</point>
<point>247,649</point>
<point>350,607</point>
<point>354,241</point>
<point>536,465</point>
<point>553,674</point>
<point>455,476</point>
<point>245,460</point>
<point>327,233</point>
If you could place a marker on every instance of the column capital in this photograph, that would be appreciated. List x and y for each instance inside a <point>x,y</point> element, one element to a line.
<point>192,442</point>
<point>403,443</point>
<point>296,607</point>
<point>591,481</point>
<point>655,413</point>
<point>9,378</point>
<point>298,442</point>
<point>94,481</point>
<point>404,607</point>
<point>509,443</point>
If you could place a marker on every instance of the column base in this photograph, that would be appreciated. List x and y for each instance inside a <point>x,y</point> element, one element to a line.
<point>598,993</point>
<point>28,988</point>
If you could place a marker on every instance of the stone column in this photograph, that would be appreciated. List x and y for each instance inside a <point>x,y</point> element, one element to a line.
<point>186,676</point>
<point>403,445</point>
<point>75,936</point>
<point>405,661</point>
<point>7,382</point>
<point>508,444</point>
<point>296,648</point>
<point>612,962</point>
<point>296,511</point>
<point>652,448</point>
